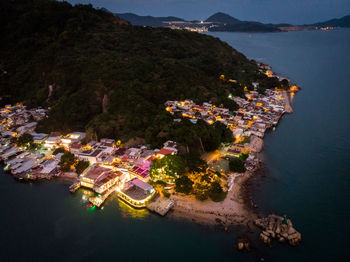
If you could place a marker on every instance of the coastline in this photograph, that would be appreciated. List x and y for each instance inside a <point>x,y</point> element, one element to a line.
<point>232,211</point>
<point>236,209</point>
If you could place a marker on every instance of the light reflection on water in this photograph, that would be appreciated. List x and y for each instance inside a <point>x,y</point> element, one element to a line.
<point>128,211</point>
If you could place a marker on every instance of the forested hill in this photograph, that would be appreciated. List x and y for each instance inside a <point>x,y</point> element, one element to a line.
<point>98,73</point>
<point>147,20</point>
<point>336,22</point>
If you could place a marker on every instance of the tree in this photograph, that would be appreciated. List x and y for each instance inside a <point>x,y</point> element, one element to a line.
<point>285,84</point>
<point>216,192</point>
<point>24,140</point>
<point>194,163</point>
<point>243,156</point>
<point>58,150</point>
<point>81,166</point>
<point>201,191</point>
<point>183,185</point>
<point>67,161</point>
<point>168,168</point>
<point>34,146</point>
<point>237,165</point>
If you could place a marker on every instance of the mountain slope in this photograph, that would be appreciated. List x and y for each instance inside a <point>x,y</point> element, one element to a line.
<point>341,22</point>
<point>147,20</point>
<point>98,73</point>
<point>218,22</point>
<point>223,18</point>
<point>227,23</point>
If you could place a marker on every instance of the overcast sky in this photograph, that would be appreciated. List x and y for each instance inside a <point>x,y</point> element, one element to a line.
<point>274,11</point>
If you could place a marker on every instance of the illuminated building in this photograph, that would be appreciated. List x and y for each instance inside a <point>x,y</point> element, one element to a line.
<point>136,193</point>
<point>100,178</point>
<point>72,137</point>
<point>52,141</point>
<point>164,152</point>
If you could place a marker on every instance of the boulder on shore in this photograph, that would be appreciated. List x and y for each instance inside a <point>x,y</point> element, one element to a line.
<point>278,227</point>
<point>243,244</point>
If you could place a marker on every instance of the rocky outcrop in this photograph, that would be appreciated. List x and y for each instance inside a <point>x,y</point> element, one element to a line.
<point>276,227</point>
<point>243,244</point>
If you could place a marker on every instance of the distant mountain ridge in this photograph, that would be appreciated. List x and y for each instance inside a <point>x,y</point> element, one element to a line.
<point>223,18</point>
<point>224,22</point>
<point>147,20</point>
<point>336,22</point>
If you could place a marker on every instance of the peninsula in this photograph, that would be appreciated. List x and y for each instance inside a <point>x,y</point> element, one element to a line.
<point>166,119</point>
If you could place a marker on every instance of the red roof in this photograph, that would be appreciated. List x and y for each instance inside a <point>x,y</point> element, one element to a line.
<point>75,146</point>
<point>152,158</point>
<point>165,152</point>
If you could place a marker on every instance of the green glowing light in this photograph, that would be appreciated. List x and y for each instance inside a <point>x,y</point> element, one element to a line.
<point>92,208</point>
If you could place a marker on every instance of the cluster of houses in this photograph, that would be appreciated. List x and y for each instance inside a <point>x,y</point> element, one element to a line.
<point>17,120</point>
<point>126,170</point>
<point>256,113</point>
<point>111,166</point>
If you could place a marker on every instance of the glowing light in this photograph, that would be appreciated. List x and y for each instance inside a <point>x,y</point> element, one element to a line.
<point>294,88</point>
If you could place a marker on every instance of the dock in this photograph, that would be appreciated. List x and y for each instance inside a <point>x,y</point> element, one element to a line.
<point>99,200</point>
<point>160,205</point>
<point>74,187</point>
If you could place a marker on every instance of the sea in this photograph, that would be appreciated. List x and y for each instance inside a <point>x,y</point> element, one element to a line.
<point>306,176</point>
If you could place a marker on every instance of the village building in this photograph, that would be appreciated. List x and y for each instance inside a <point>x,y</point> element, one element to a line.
<point>100,179</point>
<point>136,193</point>
<point>52,142</point>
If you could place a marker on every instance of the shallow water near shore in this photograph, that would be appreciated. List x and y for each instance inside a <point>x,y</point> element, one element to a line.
<point>306,177</point>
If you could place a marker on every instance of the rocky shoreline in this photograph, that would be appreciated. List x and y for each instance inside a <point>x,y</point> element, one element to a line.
<point>277,227</point>
<point>242,211</point>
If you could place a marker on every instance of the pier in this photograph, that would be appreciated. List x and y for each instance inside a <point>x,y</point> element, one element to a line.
<point>160,205</point>
<point>74,187</point>
<point>99,200</point>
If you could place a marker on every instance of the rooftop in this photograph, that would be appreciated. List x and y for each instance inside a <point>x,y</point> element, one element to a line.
<point>97,172</point>
<point>135,193</point>
<point>165,152</point>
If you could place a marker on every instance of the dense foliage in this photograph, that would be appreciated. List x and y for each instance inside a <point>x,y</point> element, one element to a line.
<point>169,166</point>
<point>58,150</point>
<point>183,185</point>
<point>24,140</point>
<point>67,161</point>
<point>176,165</point>
<point>216,193</point>
<point>100,74</point>
<point>81,166</point>
<point>237,165</point>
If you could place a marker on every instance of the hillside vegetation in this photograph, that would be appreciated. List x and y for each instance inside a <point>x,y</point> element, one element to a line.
<point>100,74</point>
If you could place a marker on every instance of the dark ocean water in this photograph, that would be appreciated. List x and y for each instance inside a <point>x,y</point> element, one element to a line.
<point>307,178</point>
